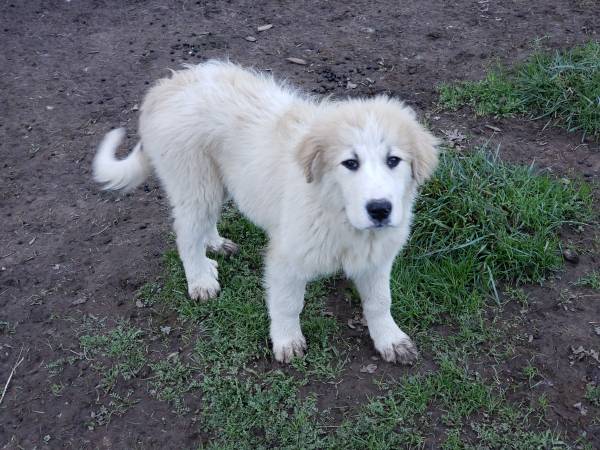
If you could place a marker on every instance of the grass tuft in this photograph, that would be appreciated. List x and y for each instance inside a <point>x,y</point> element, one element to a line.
<point>591,280</point>
<point>261,412</point>
<point>120,353</point>
<point>171,381</point>
<point>400,419</point>
<point>592,394</point>
<point>481,222</point>
<point>562,88</point>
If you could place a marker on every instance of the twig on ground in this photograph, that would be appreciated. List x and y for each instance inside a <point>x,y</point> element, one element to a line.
<point>20,359</point>
<point>101,231</point>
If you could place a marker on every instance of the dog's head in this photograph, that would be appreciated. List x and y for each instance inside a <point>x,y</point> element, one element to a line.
<point>374,153</point>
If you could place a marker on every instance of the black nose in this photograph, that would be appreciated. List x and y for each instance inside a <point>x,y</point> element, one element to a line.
<point>379,210</point>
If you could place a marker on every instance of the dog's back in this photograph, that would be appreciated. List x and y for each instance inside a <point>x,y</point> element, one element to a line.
<point>217,96</point>
<point>239,121</point>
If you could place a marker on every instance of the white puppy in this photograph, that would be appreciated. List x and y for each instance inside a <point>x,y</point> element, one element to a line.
<point>331,182</point>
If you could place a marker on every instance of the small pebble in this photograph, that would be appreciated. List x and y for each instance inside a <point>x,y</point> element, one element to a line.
<point>299,61</point>
<point>570,256</point>
<point>264,27</point>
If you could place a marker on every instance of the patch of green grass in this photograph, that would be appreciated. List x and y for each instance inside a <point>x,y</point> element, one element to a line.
<point>513,434</point>
<point>591,280</point>
<point>120,353</point>
<point>470,335</point>
<point>592,394</point>
<point>172,379</point>
<point>56,389</point>
<point>259,411</point>
<point>478,223</point>
<point>496,95</point>
<point>562,88</point>
<point>543,403</point>
<point>517,294</point>
<point>7,327</point>
<point>530,372</point>
<point>400,419</point>
<point>56,367</point>
<point>117,406</point>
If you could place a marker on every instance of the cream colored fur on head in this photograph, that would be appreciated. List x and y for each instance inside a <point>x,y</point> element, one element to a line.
<point>331,182</point>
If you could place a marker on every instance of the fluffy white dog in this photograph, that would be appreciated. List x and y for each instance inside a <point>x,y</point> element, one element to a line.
<point>332,183</point>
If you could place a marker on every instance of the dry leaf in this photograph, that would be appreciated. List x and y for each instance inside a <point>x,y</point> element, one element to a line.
<point>454,137</point>
<point>351,85</point>
<point>493,128</point>
<point>250,38</point>
<point>578,350</point>
<point>265,27</point>
<point>582,409</point>
<point>581,353</point>
<point>351,324</point>
<point>369,368</point>
<point>79,301</point>
<point>165,330</point>
<point>300,61</point>
<point>139,304</point>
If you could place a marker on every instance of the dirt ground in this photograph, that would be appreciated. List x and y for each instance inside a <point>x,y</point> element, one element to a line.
<point>71,70</point>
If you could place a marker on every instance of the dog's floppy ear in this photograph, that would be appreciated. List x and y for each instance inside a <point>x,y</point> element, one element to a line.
<point>425,154</point>
<point>310,156</point>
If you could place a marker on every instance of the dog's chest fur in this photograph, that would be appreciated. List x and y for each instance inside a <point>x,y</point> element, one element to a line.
<point>329,245</point>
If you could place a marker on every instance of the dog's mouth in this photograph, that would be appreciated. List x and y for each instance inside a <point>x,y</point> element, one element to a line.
<point>377,226</point>
<point>380,226</point>
<point>382,223</point>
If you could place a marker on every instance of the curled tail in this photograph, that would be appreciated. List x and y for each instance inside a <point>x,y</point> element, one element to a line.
<point>125,174</point>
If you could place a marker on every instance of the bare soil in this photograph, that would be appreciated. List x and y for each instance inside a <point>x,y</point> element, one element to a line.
<point>71,70</point>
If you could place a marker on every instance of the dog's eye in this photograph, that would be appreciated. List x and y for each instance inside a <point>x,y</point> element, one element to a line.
<point>393,161</point>
<point>350,164</point>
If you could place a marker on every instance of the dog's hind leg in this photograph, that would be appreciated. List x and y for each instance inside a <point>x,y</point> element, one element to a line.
<point>217,244</point>
<point>196,194</point>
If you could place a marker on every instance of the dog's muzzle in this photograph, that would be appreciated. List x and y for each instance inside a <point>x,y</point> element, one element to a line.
<point>379,211</point>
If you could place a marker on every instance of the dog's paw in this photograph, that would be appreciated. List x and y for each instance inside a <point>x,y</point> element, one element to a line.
<point>213,266</point>
<point>401,351</point>
<point>206,286</point>
<point>204,291</point>
<point>288,349</point>
<point>223,246</point>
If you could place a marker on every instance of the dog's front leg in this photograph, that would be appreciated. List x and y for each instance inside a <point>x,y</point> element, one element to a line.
<point>285,299</point>
<point>389,340</point>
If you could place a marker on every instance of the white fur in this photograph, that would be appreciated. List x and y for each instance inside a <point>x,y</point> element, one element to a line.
<point>126,174</point>
<point>217,128</point>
